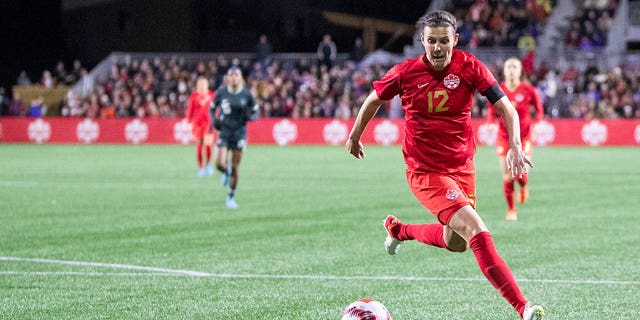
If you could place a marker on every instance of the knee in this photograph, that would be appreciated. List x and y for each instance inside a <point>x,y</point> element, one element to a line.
<point>457,245</point>
<point>459,248</point>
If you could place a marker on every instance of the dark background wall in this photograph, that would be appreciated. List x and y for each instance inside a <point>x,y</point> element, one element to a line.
<point>133,25</point>
<point>31,37</point>
<point>36,34</point>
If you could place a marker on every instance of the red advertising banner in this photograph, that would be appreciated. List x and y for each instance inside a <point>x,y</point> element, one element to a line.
<point>298,131</point>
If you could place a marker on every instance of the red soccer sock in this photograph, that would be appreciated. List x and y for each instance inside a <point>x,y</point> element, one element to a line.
<point>507,186</point>
<point>430,234</point>
<point>523,181</point>
<point>199,155</point>
<point>496,270</point>
<point>207,153</point>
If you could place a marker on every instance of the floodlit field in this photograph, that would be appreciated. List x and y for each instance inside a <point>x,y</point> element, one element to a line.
<point>130,232</point>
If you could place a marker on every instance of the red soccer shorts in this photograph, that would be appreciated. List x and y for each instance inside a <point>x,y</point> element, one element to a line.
<point>502,146</point>
<point>199,131</point>
<point>444,194</point>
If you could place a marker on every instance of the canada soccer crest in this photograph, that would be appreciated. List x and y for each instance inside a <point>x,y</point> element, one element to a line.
<point>451,81</point>
<point>452,194</point>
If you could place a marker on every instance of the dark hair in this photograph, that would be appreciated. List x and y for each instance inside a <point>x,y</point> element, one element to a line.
<point>437,19</point>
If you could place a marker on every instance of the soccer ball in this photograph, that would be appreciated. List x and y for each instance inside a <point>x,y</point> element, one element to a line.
<point>366,309</point>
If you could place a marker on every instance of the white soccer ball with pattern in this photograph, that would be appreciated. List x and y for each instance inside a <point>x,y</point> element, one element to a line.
<point>366,309</point>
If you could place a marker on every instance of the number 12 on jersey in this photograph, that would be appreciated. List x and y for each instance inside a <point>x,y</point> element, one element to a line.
<point>435,95</point>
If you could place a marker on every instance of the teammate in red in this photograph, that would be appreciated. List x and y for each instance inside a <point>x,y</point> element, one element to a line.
<point>436,90</point>
<point>198,116</point>
<point>522,95</point>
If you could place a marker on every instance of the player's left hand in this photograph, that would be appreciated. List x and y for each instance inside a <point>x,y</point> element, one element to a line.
<point>517,162</point>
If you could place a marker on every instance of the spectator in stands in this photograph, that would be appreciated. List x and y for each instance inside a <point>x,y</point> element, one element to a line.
<point>358,52</point>
<point>60,73</point>
<point>76,71</point>
<point>4,102</point>
<point>167,84</point>
<point>47,80</point>
<point>343,110</point>
<point>16,106</point>
<point>37,108</point>
<point>327,51</point>
<point>264,51</point>
<point>23,79</point>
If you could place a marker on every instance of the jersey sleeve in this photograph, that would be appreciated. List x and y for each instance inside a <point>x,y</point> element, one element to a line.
<point>389,85</point>
<point>482,77</point>
<point>537,103</point>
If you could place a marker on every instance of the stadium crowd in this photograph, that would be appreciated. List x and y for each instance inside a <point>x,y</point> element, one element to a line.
<point>307,88</point>
<point>486,23</point>
<point>589,27</point>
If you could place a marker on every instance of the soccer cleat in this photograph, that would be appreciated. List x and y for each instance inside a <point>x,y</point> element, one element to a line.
<point>201,172</point>
<point>523,194</point>
<point>231,202</point>
<point>532,312</point>
<point>209,169</point>
<point>391,244</point>
<point>512,215</point>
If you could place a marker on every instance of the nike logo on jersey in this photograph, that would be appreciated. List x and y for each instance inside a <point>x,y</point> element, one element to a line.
<point>422,85</point>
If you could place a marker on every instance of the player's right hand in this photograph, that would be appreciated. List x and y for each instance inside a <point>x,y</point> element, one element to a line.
<point>354,146</point>
<point>517,162</point>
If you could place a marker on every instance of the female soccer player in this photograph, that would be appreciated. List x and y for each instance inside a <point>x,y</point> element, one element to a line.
<point>436,90</point>
<point>522,95</point>
<point>236,106</point>
<point>198,116</point>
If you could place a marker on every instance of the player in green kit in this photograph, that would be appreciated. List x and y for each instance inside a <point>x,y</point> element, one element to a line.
<point>231,109</point>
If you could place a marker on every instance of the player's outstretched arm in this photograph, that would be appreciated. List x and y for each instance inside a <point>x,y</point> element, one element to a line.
<point>516,160</point>
<point>367,111</point>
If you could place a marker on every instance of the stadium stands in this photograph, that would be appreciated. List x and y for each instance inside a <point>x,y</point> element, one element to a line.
<point>295,85</point>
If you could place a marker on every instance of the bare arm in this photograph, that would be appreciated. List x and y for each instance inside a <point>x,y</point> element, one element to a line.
<point>516,159</point>
<point>367,111</point>
<point>538,105</point>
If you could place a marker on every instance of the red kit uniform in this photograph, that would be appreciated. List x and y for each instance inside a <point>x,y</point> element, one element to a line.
<point>439,142</point>
<point>198,112</point>
<point>523,97</point>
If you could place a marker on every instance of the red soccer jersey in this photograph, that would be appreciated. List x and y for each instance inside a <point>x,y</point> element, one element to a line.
<point>198,109</point>
<point>522,98</point>
<point>437,106</point>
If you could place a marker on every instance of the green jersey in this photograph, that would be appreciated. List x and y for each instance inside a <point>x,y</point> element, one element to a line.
<point>235,108</point>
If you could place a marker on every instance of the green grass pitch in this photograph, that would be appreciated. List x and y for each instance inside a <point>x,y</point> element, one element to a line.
<point>130,232</point>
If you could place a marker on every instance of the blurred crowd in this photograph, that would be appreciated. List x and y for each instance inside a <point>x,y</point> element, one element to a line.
<point>321,87</point>
<point>589,27</point>
<point>485,23</point>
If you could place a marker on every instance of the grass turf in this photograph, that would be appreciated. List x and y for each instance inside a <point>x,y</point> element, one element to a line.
<point>307,238</point>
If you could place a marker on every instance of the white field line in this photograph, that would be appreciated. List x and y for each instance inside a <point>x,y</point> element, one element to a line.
<point>107,265</point>
<point>163,272</point>
<point>86,185</point>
